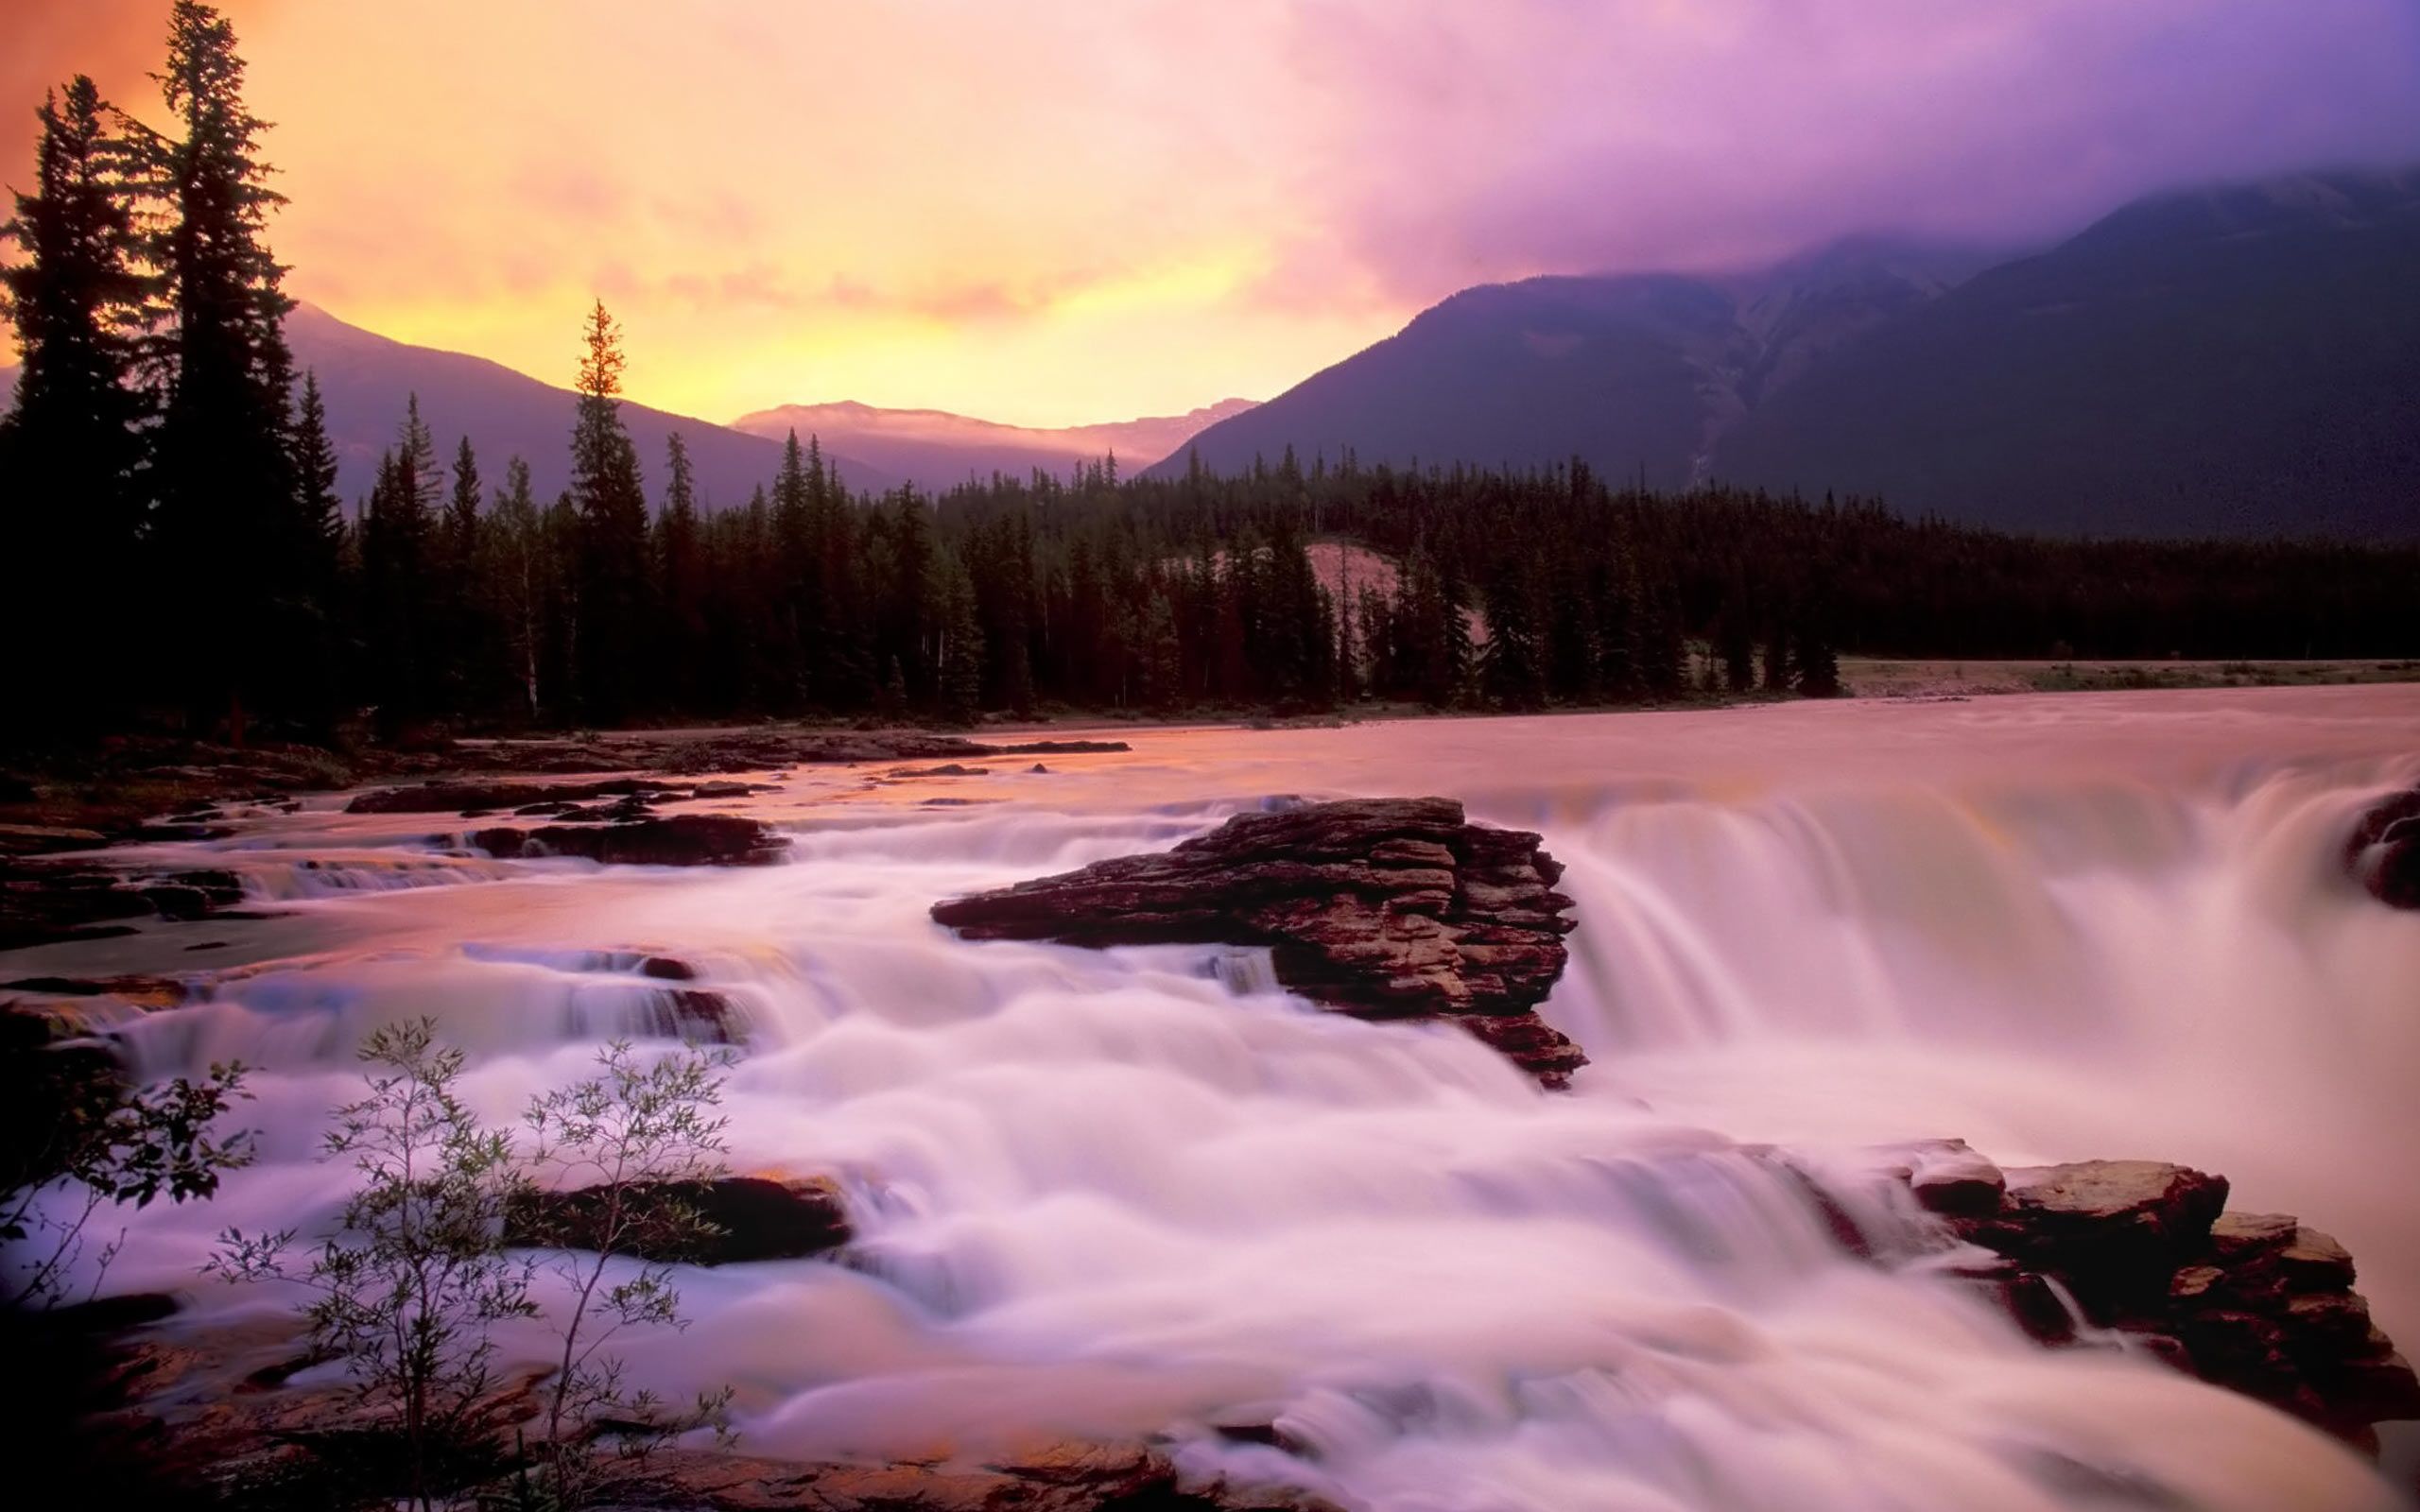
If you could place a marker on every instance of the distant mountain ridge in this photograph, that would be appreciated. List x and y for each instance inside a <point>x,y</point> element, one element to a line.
<point>367,378</point>
<point>1640,374</point>
<point>935,448</point>
<point>2240,360</point>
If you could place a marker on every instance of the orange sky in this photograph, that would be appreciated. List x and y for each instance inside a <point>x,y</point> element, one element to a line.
<point>1052,212</point>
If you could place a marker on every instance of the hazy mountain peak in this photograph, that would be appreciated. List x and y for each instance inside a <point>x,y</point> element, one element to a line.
<point>368,378</point>
<point>935,448</point>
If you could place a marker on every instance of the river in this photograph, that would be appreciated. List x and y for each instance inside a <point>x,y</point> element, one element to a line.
<point>1132,1192</point>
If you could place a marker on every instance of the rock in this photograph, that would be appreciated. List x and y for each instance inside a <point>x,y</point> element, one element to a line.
<point>683,840</point>
<point>2112,1230</point>
<point>443,798</point>
<point>621,811</point>
<point>723,790</point>
<point>1949,1178</point>
<point>1383,908</point>
<point>949,769</point>
<point>1072,1477</point>
<point>2383,850</point>
<point>33,839</point>
<point>753,1218</point>
<point>1058,748</point>
<point>2255,1302</point>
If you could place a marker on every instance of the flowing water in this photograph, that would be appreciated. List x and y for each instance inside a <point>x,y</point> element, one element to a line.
<point>1142,1191</point>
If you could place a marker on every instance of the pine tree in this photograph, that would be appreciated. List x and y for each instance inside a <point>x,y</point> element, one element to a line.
<point>610,496</point>
<point>1512,668</point>
<point>316,549</point>
<point>680,574</point>
<point>1814,662</point>
<point>227,493</point>
<point>1732,642</point>
<point>961,646</point>
<point>72,443</point>
<point>320,510</point>
<point>1777,673</point>
<point>515,569</point>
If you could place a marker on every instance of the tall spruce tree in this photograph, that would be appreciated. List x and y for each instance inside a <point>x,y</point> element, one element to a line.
<point>680,576</point>
<point>318,518</point>
<point>610,496</point>
<point>76,300</point>
<point>227,493</point>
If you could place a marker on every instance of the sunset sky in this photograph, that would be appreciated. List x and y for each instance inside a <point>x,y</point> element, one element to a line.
<point>1060,211</point>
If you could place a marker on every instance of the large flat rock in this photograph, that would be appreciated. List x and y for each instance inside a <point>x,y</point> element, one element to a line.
<point>1383,908</point>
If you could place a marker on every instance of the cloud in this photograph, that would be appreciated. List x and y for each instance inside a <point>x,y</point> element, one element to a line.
<point>1055,210</point>
<point>1557,135</point>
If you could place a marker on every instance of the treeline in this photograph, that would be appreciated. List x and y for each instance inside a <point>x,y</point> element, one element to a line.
<point>171,489</point>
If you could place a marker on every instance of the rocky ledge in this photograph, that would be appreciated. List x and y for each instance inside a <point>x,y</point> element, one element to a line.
<point>1382,908</point>
<point>2255,1302</point>
<point>683,840</point>
<point>742,1218</point>
<point>44,902</point>
<point>2383,852</point>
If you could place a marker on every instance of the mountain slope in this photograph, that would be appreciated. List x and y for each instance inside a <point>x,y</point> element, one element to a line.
<point>1639,375</point>
<point>365,379</point>
<point>2240,360</point>
<point>935,448</point>
<point>1606,369</point>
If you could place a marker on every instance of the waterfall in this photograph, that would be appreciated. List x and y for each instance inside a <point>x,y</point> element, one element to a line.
<point>1144,1192</point>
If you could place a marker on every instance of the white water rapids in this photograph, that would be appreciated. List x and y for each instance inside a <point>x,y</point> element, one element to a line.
<point>1112,1195</point>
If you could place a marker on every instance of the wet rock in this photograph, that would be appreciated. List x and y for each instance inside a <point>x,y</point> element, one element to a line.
<point>749,1218</point>
<point>2255,1302</point>
<point>1377,907</point>
<point>34,839</point>
<point>2112,1230</point>
<point>1058,1478</point>
<point>443,798</point>
<point>2383,850</point>
<point>1949,1178</point>
<point>1059,747</point>
<point>683,840</point>
<point>621,811</point>
<point>947,769</point>
<point>697,1016</point>
<point>41,903</point>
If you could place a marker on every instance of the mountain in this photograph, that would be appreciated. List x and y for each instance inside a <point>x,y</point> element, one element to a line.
<point>935,448</point>
<point>2238,360</point>
<point>2242,360</point>
<point>1638,374</point>
<point>365,379</point>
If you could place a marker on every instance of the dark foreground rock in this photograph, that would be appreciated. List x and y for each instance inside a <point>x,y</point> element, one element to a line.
<point>214,1417</point>
<point>1382,908</point>
<point>527,797</point>
<point>46,902</point>
<point>683,840</point>
<point>2255,1302</point>
<point>748,1218</point>
<point>1072,1477</point>
<point>2383,850</point>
